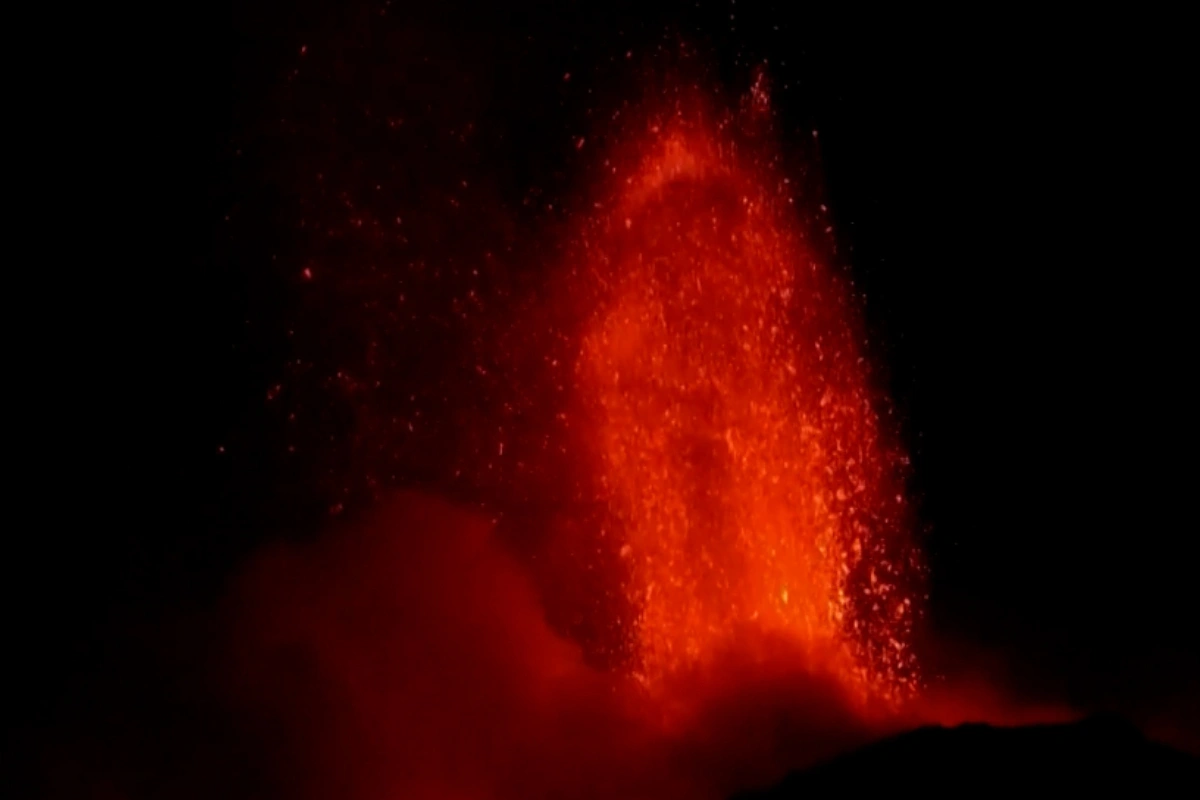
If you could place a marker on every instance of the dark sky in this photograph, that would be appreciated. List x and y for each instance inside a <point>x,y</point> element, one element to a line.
<point>1009,193</point>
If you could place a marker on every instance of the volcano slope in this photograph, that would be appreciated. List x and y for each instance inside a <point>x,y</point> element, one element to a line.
<point>1095,754</point>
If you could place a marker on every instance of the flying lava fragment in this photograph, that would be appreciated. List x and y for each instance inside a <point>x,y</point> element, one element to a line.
<point>736,439</point>
<point>708,576</point>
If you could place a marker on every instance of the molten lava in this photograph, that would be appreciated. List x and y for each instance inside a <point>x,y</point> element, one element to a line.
<point>708,577</point>
<point>737,441</point>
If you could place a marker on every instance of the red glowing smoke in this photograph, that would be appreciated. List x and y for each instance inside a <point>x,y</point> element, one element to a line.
<point>410,658</point>
<point>750,564</point>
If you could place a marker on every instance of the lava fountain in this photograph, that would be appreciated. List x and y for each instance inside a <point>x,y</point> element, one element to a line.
<point>693,387</point>
<point>737,442</point>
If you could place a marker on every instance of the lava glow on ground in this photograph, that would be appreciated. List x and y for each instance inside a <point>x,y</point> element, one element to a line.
<point>743,602</point>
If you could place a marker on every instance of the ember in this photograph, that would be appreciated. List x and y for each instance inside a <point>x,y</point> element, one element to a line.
<point>737,442</point>
<point>727,588</point>
<point>533,438</point>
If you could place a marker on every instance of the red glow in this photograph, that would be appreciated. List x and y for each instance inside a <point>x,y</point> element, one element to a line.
<point>750,571</point>
<point>737,440</point>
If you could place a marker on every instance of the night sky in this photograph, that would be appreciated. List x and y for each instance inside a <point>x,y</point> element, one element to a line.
<point>1007,193</point>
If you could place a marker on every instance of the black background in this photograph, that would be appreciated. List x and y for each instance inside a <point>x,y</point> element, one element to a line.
<point>1011,192</point>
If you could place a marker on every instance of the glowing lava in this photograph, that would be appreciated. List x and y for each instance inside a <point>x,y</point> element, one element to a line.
<point>738,442</point>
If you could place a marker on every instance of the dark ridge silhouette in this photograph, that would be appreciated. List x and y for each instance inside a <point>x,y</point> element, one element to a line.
<point>1097,753</point>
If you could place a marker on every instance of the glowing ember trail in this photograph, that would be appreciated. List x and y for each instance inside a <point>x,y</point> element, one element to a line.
<point>738,444</point>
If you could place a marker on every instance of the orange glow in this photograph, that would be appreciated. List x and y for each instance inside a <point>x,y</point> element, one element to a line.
<point>737,440</point>
<point>715,582</point>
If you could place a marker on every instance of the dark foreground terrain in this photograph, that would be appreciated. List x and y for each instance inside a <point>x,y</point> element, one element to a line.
<point>1096,754</point>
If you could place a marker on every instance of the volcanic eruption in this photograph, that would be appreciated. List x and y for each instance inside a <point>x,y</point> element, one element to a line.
<point>731,562</point>
<point>543,447</point>
<point>738,444</point>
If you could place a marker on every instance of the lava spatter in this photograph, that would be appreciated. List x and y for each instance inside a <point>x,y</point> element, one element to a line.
<point>737,441</point>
